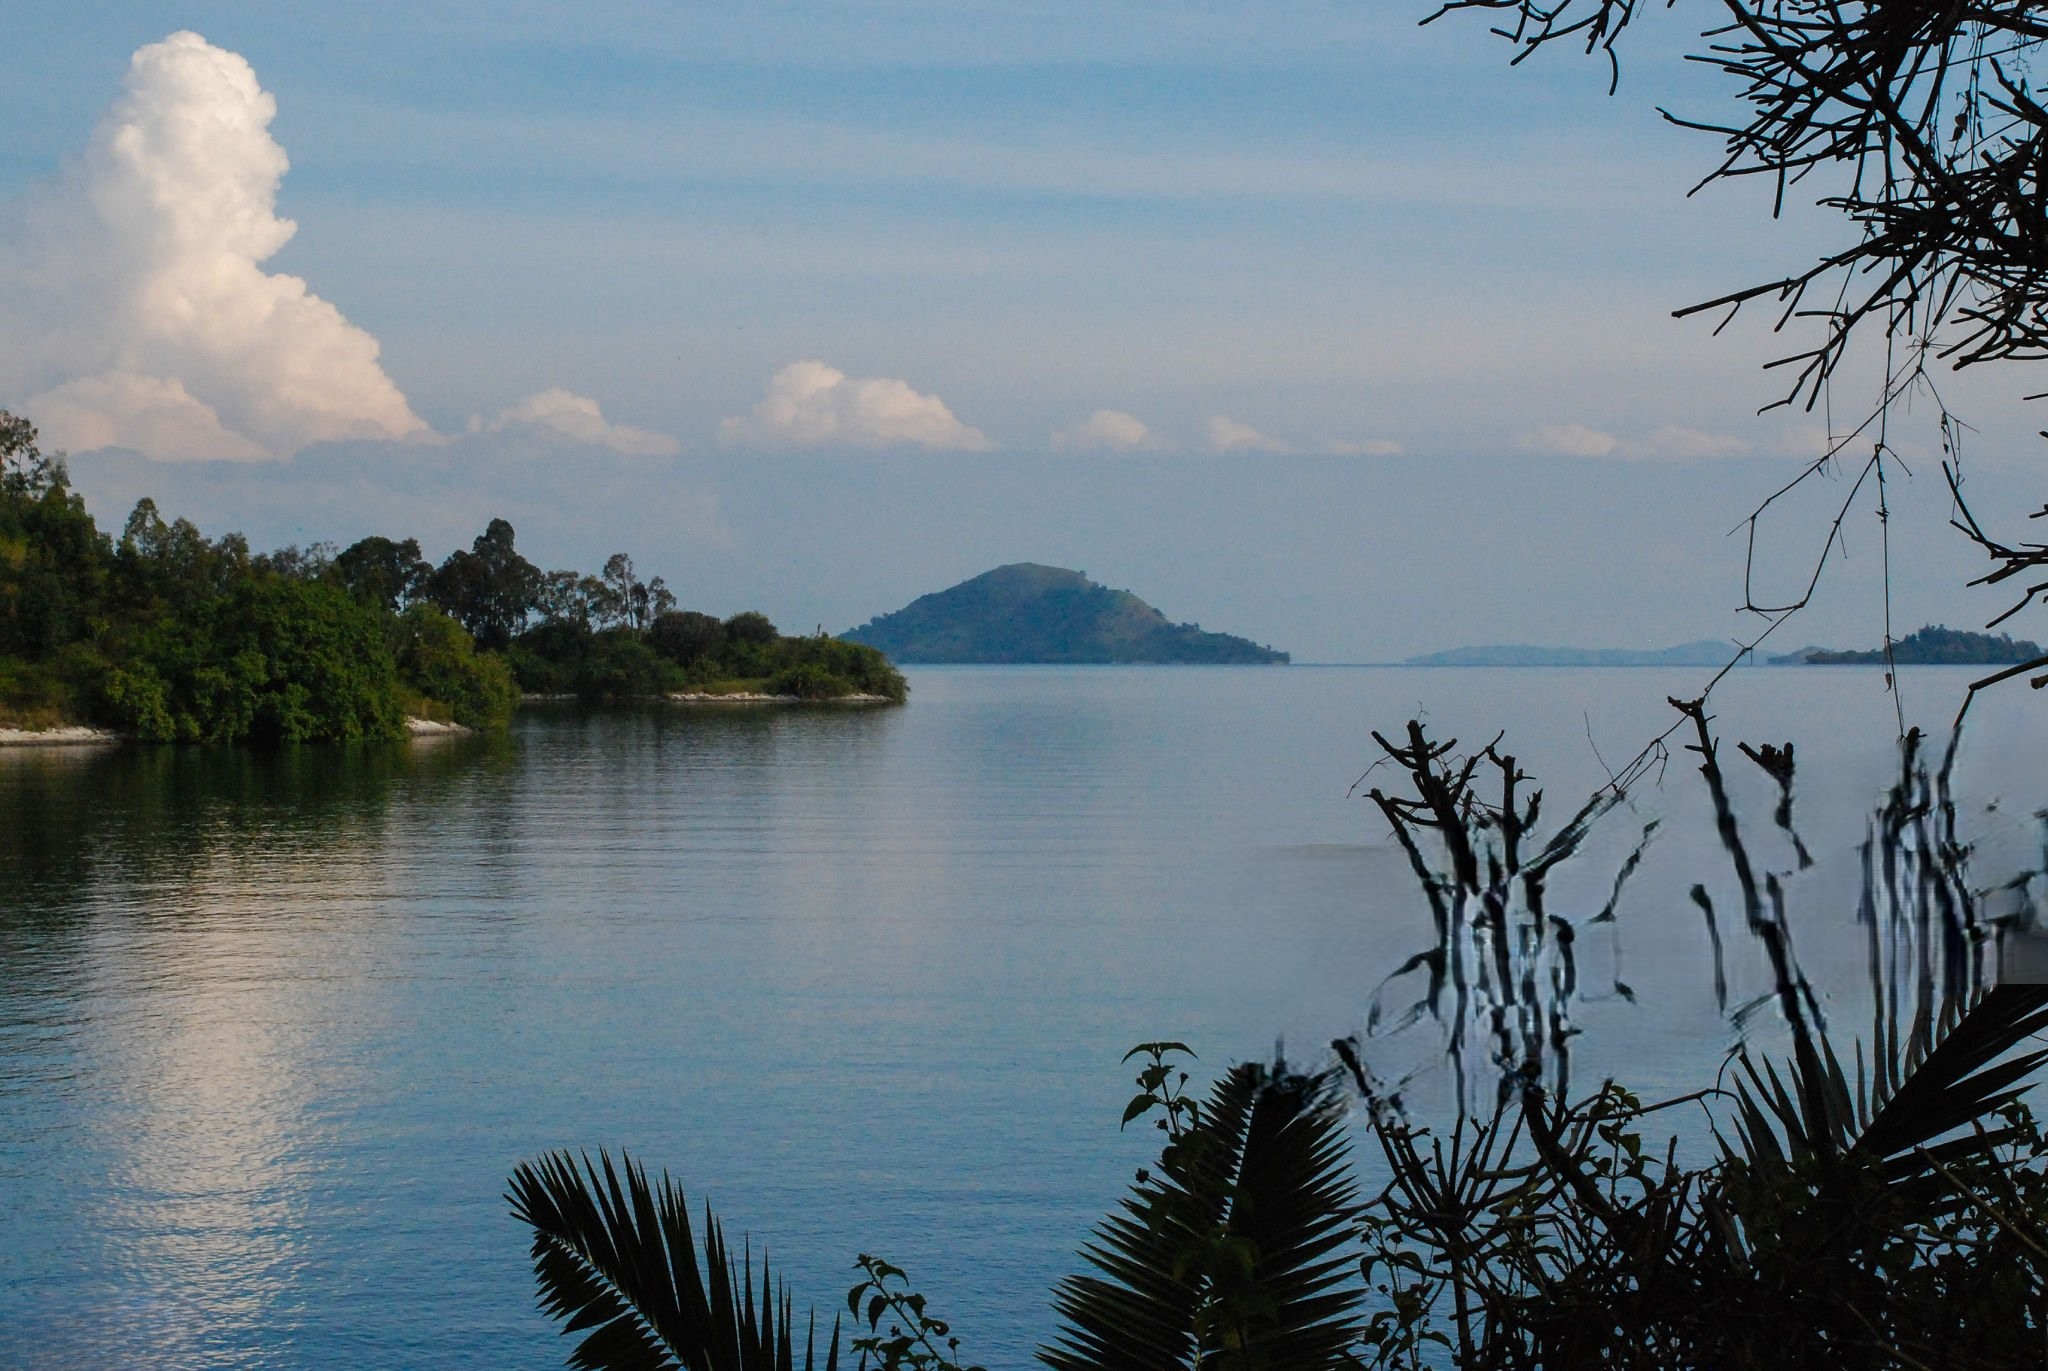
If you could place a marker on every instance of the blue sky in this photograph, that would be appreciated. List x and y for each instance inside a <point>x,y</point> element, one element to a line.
<point>1222,267</point>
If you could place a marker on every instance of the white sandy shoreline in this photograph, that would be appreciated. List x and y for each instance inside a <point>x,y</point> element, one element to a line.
<point>64,735</point>
<point>80,735</point>
<point>750,697</point>
<point>432,728</point>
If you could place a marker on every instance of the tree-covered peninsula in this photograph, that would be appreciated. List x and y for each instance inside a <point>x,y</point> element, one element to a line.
<point>1934,645</point>
<point>169,636</point>
<point>1025,612</point>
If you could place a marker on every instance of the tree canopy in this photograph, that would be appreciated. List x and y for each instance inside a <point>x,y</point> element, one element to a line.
<point>176,637</point>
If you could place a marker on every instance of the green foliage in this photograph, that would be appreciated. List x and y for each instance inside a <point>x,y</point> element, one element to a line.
<point>178,638</point>
<point>913,1337</point>
<point>685,636</point>
<point>617,1257</point>
<point>1936,645</point>
<point>685,649</point>
<point>1231,1254</point>
<point>167,570</point>
<point>547,659</point>
<point>619,665</point>
<point>269,660</point>
<point>380,572</point>
<point>808,681</point>
<point>751,626</point>
<point>53,561</point>
<point>860,667</point>
<point>59,689</point>
<point>439,661</point>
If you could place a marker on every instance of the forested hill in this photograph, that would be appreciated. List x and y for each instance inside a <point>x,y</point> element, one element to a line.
<point>1031,613</point>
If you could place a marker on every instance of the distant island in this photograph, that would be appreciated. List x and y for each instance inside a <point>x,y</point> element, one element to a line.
<point>1027,613</point>
<point>1934,645</point>
<point>1706,652</point>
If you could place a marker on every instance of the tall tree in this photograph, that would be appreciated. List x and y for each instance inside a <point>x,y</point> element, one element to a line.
<point>490,590</point>
<point>379,571</point>
<point>53,560</point>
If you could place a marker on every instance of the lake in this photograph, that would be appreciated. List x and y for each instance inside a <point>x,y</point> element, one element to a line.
<point>275,1027</point>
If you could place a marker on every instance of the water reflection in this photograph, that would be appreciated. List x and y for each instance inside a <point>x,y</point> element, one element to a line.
<point>274,1028</point>
<point>160,1041</point>
<point>80,816</point>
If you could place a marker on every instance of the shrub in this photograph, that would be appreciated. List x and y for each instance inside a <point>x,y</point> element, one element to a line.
<point>271,660</point>
<point>808,681</point>
<point>620,666</point>
<point>548,660</point>
<point>439,660</point>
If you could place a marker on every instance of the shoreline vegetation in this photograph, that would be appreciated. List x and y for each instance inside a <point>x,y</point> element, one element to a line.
<point>162,635</point>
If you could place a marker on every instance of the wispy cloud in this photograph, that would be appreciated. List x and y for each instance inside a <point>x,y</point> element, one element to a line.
<point>1684,444</point>
<point>1666,442</point>
<point>810,404</point>
<point>1569,440</point>
<point>1109,430</point>
<point>1228,435</point>
<point>579,417</point>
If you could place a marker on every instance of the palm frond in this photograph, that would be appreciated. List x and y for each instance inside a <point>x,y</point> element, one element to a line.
<point>1955,1067</point>
<point>1230,1255</point>
<point>1970,1074</point>
<point>617,1256</point>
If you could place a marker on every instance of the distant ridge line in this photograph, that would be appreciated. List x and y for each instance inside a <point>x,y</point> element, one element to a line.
<point>1703,652</point>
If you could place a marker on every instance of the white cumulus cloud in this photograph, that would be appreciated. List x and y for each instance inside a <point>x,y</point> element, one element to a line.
<point>810,404</point>
<point>1108,430</point>
<point>1228,435</point>
<point>136,306</point>
<point>151,414</point>
<point>1371,447</point>
<point>578,417</point>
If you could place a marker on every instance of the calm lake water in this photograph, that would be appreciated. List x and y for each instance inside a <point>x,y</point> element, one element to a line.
<point>275,1028</point>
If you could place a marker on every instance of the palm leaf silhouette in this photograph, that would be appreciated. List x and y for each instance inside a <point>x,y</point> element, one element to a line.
<point>1972,1072</point>
<point>1917,1093</point>
<point>617,1256</point>
<point>1944,1052</point>
<point>1231,1256</point>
